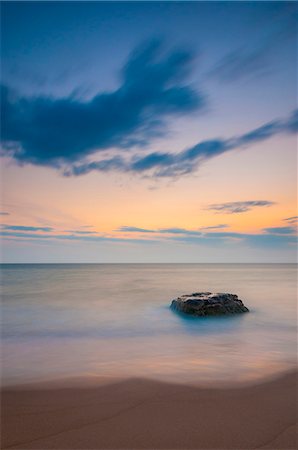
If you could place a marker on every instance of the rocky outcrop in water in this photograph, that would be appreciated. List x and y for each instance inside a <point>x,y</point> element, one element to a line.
<point>209,304</point>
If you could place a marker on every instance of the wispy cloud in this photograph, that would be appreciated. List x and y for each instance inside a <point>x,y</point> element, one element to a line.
<point>80,231</point>
<point>215,227</point>
<point>177,231</point>
<point>4,213</point>
<point>280,230</point>
<point>166,164</point>
<point>70,237</point>
<point>25,228</point>
<point>211,235</point>
<point>238,207</point>
<point>61,131</point>
<point>158,230</point>
<point>240,63</point>
<point>255,58</point>
<point>270,237</point>
<point>206,235</point>
<point>172,230</point>
<point>134,229</point>
<point>292,220</point>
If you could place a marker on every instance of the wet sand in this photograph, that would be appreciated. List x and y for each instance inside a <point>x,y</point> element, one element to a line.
<point>145,414</point>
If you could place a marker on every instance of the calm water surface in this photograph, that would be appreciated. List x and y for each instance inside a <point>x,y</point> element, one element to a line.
<point>114,320</point>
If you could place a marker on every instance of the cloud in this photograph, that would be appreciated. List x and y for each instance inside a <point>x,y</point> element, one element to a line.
<point>167,164</point>
<point>183,234</point>
<point>23,234</point>
<point>260,134</point>
<point>214,227</point>
<point>238,207</point>
<point>255,59</point>
<point>4,213</point>
<point>134,230</point>
<point>292,220</point>
<point>25,228</point>
<point>240,63</point>
<point>64,133</point>
<point>153,160</point>
<point>69,237</point>
<point>55,132</point>
<point>117,164</point>
<point>280,230</point>
<point>268,238</point>
<point>176,231</point>
<point>80,231</point>
<point>172,230</point>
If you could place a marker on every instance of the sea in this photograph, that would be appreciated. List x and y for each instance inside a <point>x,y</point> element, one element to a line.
<point>63,321</point>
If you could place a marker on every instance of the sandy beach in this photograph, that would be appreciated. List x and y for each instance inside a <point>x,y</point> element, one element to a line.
<point>146,414</point>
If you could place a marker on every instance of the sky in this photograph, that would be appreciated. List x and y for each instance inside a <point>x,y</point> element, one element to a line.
<point>149,132</point>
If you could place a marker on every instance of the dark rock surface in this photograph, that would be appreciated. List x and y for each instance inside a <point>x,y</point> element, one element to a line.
<point>209,304</point>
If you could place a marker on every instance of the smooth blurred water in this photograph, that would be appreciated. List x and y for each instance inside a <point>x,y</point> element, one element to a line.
<point>114,320</point>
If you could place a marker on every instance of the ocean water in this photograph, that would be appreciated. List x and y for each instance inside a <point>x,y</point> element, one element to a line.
<point>114,320</point>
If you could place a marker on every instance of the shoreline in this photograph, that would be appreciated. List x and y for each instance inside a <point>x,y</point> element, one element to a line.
<point>140,413</point>
<point>86,381</point>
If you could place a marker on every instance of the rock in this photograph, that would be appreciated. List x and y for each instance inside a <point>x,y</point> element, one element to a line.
<point>209,304</point>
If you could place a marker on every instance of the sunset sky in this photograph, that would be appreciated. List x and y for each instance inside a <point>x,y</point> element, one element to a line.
<point>149,132</point>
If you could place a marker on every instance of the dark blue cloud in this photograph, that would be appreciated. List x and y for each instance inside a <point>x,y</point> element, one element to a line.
<point>63,132</point>
<point>116,164</point>
<point>292,123</point>
<point>260,134</point>
<point>205,149</point>
<point>169,164</point>
<point>153,160</point>
<point>238,207</point>
<point>4,213</point>
<point>25,228</point>
<point>280,230</point>
<point>49,131</point>
<point>166,164</point>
